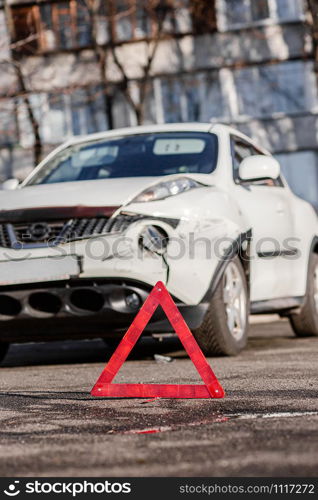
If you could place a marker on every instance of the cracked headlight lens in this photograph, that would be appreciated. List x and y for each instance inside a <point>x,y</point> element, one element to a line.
<point>166,189</point>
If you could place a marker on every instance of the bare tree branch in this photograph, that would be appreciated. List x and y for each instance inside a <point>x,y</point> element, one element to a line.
<point>313,21</point>
<point>37,142</point>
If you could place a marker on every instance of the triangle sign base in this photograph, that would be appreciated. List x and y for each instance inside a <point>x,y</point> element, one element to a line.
<point>153,391</point>
<point>104,386</point>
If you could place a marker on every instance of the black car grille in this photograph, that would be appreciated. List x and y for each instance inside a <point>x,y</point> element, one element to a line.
<point>19,235</point>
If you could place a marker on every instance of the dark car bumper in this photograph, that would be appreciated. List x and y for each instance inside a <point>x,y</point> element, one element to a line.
<point>81,309</point>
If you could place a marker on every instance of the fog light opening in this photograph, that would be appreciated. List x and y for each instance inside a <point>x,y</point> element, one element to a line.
<point>125,300</point>
<point>133,301</point>
<point>154,239</point>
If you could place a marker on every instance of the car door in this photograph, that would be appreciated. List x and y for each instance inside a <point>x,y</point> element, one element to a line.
<point>266,207</point>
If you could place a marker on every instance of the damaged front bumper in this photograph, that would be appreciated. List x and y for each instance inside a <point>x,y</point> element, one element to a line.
<point>97,284</point>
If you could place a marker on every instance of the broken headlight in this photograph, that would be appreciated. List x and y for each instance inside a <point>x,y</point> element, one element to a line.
<point>154,239</point>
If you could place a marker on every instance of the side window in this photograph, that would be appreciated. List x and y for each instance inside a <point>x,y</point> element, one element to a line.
<point>240,150</point>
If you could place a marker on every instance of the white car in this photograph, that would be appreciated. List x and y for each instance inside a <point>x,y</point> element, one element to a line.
<point>104,217</point>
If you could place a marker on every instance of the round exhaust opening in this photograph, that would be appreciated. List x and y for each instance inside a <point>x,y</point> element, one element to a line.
<point>45,302</point>
<point>9,306</point>
<point>86,299</point>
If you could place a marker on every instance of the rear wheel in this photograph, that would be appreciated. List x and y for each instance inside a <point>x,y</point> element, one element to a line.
<point>305,324</point>
<point>224,328</point>
<point>4,346</point>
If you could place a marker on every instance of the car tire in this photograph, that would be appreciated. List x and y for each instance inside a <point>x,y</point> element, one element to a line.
<point>224,327</point>
<point>305,323</point>
<point>4,346</point>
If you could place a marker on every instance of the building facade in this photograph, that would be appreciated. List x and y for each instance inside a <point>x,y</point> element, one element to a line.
<point>79,66</point>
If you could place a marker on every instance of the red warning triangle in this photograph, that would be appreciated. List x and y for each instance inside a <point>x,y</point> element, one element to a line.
<point>104,386</point>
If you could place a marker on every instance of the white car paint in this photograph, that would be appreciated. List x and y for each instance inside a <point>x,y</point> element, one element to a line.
<point>221,210</point>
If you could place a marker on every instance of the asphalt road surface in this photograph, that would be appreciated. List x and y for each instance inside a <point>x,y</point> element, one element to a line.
<point>265,426</point>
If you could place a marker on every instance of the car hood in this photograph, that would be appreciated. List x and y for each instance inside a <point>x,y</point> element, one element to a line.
<point>108,192</point>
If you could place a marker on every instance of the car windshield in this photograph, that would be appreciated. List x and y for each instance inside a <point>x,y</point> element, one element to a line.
<point>132,156</point>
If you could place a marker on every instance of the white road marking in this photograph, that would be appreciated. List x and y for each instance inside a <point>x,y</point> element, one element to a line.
<point>286,414</point>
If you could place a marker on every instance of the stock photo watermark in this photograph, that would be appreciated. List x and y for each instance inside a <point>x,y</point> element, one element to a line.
<point>192,247</point>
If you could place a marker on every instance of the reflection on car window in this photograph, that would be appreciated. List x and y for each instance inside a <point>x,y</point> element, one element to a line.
<point>241,150</point>
<point>132,156</point>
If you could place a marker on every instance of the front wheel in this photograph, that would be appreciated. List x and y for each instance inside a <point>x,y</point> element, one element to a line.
<point>224,327</point>
<point>305,324</point>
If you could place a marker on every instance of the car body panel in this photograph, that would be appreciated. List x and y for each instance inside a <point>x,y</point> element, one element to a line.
<point>201,225</point>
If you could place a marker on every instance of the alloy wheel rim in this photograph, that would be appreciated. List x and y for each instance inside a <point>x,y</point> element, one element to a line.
<point>235,301</point>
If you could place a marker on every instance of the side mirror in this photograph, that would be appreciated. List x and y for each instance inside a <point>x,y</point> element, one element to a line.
<point>10,184</point>
<point>259,167</point>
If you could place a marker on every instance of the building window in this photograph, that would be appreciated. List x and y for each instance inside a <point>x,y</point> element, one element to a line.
<point>138,19</point>
<point>4,38</point>
<point>83,23</point>
<point>87,109</point>
<point>173,101</point>
<point>8,122</point>
<point>26,29</point>
<point>66,25</point>
<point>52,26</point>
<point>203,16</point>
<point>62,115</point>
<point>240,12</point>
<point>278,88</point>
<point>300,170</point>
<point>246,11</point>
<point>192,98</point>
<point>289,10</point>
<point>234,14</point>
<point>123,20</point>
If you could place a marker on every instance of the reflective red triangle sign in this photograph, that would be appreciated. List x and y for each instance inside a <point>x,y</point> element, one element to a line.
<point>104,386</point>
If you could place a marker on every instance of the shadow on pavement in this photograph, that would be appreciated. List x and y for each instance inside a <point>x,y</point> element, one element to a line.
<point>261,337</point>
<point>81,351</point>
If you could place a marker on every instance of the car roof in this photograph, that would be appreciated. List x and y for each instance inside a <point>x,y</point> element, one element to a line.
<point>219,128</point>
<point>167,127</point>
<point>142,129</point>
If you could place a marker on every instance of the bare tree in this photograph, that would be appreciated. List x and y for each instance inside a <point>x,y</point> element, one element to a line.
<point>155,9</point>
<point>313,21</point>
<point>94,10</point>
<point>37,142</point>
<point>23,89</point>
<point>158,10</point>
<point>203,17</point>
<point>103,16</point>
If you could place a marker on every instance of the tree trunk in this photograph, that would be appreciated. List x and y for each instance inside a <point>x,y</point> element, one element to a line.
<point>313,10</point>
<point>107,97</point>
<point>37,144</point>
<point>101,55</point>
<point>139,112</point>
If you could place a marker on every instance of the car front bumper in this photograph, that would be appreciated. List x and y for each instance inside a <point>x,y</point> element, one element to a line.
<point>97,285</point>
<point>81,309</point>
